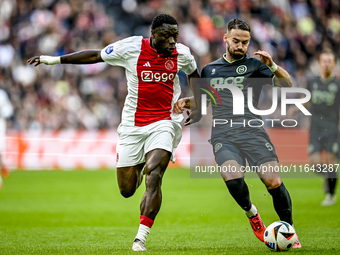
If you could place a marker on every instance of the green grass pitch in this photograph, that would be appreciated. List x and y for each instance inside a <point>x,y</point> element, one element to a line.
<point>82,212</point>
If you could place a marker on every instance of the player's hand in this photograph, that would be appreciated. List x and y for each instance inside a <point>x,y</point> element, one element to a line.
<point>179,106</point>
<point>265,57</point>
<point>34,61</point>
<point>193,117</point>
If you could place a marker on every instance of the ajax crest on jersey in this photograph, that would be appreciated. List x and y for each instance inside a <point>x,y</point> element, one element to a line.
<point>169,65</point>
<point>280,236</point>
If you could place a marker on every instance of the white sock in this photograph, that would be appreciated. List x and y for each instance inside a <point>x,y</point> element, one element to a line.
<point>143,232</point>
<point>252,212</point>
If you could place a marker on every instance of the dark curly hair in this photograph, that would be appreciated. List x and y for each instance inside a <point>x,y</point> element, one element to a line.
<point>161,19</point>
<point>238,24</point>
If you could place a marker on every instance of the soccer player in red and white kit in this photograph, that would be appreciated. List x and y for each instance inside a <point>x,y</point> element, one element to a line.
<point>149,132</point>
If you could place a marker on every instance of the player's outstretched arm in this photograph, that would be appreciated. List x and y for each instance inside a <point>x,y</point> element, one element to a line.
<point>80,57</point>
<point>282,77</point>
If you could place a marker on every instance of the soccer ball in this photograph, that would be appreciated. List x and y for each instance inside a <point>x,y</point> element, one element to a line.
<point>280,236</point>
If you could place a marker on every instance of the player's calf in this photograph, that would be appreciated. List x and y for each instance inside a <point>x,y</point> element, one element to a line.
<point>282,203</point>
<point>152,198</point>
<point>239,191</point>
<point>149,207</point>
<point>156,163</point>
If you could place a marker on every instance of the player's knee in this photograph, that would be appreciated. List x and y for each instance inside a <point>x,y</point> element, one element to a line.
<point>155,175</point>
<point>330,158</point>
<point>127,191</point>
<point>315,159</point>
<point>157,160</point>
<point>154,169</point>
<point>151,166</point>
<point>314,162</point>
<point>272,183</point>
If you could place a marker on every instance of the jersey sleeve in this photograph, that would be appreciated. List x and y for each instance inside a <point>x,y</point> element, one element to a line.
<point>265,72</point>
<point>117,53</point>
<point>186,61</point>
<point>112,55</point>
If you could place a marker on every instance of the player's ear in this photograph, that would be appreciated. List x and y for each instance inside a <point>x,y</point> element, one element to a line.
<point>153,33</point>
<point>225,37</point>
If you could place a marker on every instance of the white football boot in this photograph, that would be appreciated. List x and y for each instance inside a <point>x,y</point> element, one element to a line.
<point>329,200</point>
<point>138,245</point>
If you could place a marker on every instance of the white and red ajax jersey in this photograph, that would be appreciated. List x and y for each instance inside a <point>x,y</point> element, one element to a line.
<point>153,84</point>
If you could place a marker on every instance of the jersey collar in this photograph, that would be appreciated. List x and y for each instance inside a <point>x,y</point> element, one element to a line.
<point>327,80</point>
<point>230,62</point>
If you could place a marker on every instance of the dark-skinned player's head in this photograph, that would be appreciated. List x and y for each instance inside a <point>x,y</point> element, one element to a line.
<point>164,33</point>
<point>237,38</point>
<point>327,62</point>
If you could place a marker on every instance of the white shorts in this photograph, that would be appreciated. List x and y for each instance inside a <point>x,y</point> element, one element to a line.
<point>134,142</point>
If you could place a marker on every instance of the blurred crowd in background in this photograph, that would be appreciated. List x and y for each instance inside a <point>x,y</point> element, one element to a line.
<point>92,96</point>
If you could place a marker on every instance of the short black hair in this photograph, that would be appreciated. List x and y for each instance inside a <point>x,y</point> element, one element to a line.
<point>161,19</point>
<point>238,24</point>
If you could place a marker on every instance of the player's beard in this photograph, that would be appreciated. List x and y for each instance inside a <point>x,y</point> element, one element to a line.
<point>233,55</point>
<point>327,71</point>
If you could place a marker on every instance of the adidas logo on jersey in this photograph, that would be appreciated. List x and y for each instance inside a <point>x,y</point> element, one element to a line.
<point>147,64</point>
